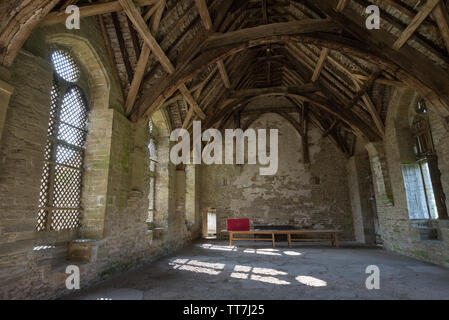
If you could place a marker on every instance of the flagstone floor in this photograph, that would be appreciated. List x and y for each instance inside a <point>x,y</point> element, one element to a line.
<point>210,269</point>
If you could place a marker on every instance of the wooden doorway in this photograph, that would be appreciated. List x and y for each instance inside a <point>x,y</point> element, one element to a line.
<point>210,224</point>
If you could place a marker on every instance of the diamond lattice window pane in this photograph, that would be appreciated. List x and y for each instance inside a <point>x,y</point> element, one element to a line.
<point>65,66</point>
<point>61,184</point>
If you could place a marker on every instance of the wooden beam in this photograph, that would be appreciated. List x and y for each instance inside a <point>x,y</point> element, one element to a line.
<point>269,110</point>
<point>383,81</point>
<point>137,80</point>
<point>107,43</point>
<point>307,88</point>
<point>156,18</point>
<point>374,114</point>
<point>91,10</point>
<point>224,74</point>
<point>264,12</point>
<point>303,93</point>
<point>363,90</point>
<point>134,38</point>
<point>415,23</point>
<point>68,3</point>
<point>407,64</point>
<point>141,68</point>
<point>370,105</point>
<point>122,46</point>
<point>401,26</point>
<point>320,64</point>
<point>207,21</point>
<point>204,13</point>
<point>441,16</point>
<point>150,12</point>
<point>134,15</point>
<point>271,30</point>
<point>341,5</point>
<point>141,27</point>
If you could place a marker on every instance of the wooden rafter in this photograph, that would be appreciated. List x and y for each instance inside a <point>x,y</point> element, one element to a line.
<point>107,42</point>
<point>303,93</point>
<point>415,23</point>
<point>142,63</point>
<point>442,19</point>
<point>325,51</point>
<point>91,10</point>
<point>207,21</point>
<point>122,46</point>
<point>134,15</point>
<point>320,64</point>
<point>151,101</point>
<point>412,67</point>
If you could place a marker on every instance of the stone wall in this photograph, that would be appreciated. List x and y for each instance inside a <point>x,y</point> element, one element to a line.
<point>115,200</point>
<point>21,159</point>
<point>399,233</point>
<point>308,196</point>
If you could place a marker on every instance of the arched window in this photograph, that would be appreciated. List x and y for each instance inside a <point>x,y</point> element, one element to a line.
<point>61,184</point>
<point>425,196</point>
<point>152,152</point>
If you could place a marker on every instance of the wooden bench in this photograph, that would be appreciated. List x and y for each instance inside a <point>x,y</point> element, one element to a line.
<point>333,236</point>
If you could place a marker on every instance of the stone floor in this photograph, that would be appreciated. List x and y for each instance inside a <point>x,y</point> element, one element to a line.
<point>212,270</point>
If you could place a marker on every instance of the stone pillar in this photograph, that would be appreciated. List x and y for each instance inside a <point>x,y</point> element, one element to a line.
<point>165,176</point>
<point>359,191</point>
<point>193,215</point>
<point>379,169</point>
<point>180,194</point>
<point>138,156</point>
<point>97,161</point>
<point>6,90</point>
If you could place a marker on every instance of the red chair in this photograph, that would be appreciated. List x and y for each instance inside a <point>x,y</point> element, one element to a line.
<point>237,224</point>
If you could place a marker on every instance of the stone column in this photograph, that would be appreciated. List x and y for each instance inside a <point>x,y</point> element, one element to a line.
<point>138,156</point>
<point>379,169</point>
<point>359,191</point>
<point>193,214</point>
<point>6,90</point>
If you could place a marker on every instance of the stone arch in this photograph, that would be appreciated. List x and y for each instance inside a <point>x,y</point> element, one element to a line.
<point>97,88</point>
<point>401,143</point>
<point>284,127</point>
<point>83,51</point>
<point>398,122</point>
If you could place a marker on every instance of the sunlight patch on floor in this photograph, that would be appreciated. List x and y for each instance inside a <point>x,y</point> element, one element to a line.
<point>311,281</point>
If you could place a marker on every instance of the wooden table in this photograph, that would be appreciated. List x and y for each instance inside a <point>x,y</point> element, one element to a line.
<point>333,236</point>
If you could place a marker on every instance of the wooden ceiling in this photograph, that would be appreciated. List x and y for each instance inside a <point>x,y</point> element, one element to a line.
<point>208,59</point>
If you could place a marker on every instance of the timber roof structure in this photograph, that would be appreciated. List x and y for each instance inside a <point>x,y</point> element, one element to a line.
<point>208,59</point>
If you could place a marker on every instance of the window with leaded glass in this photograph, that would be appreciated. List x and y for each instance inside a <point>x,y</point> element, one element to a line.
<point>60,196</point>
<point>425,196</point>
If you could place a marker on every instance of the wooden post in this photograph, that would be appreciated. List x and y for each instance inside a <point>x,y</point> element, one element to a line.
<point>273,239</point>
<point>289,237</point>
